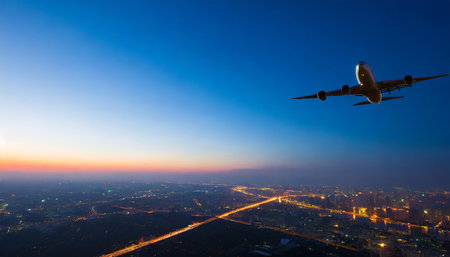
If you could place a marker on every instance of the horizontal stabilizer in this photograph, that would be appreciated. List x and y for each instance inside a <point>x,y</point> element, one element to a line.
<point>384,99</point>
<point>362,103</point>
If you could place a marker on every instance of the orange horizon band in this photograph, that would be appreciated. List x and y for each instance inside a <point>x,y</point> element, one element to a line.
<point>71,166</point>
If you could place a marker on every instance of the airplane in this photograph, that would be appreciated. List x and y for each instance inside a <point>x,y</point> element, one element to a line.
<point>370,88</point>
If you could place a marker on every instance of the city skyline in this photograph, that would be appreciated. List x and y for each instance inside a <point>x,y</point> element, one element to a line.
<point>168,219</point>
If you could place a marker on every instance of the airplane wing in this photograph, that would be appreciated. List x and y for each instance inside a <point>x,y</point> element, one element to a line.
<point>329,93</point>
<point>390,85</point>
<point>383,99</point>
<point>355,90</point>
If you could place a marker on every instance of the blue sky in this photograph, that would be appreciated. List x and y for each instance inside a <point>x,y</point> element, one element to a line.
<point>207,85</point>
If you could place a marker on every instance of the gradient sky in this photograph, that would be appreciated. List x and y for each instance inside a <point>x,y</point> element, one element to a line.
<point>207,86</point>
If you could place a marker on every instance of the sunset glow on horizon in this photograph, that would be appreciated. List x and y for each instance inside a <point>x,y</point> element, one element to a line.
<point>102,166</point>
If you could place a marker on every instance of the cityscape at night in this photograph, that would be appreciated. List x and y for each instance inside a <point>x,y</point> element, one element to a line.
<point>224,128</point>
<point>169,219</point>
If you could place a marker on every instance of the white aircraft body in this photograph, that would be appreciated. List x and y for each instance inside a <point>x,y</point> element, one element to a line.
<point>370,88</point>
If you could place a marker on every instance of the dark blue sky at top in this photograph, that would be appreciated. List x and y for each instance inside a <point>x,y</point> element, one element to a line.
<point>229,71</point>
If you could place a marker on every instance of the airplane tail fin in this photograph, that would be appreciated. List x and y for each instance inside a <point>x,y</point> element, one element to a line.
<point>384,99</point>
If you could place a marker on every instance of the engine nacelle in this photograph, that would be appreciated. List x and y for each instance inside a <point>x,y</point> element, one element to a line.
<point>408,79</point>
<point>322,95</point>
<point>345,90</point>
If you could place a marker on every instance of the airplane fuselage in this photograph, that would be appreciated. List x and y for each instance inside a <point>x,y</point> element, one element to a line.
<point>367,84</point>
<point>370,88</point>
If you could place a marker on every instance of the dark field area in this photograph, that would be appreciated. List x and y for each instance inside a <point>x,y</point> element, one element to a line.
<point>89,237</point>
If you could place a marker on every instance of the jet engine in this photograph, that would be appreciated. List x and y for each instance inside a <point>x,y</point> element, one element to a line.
<point>408,79</point>
<point>345,90</point>
<point>322,95</point>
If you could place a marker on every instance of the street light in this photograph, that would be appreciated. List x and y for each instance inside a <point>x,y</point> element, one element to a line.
<point>382,245</point>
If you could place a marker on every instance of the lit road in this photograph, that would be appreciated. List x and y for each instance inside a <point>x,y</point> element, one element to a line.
<point>373,218</point>
<point>182,230</point>
<point>158,239</point>
<point>248,207</point>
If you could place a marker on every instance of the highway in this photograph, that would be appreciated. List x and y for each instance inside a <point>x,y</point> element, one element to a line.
<point>182,230</point>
